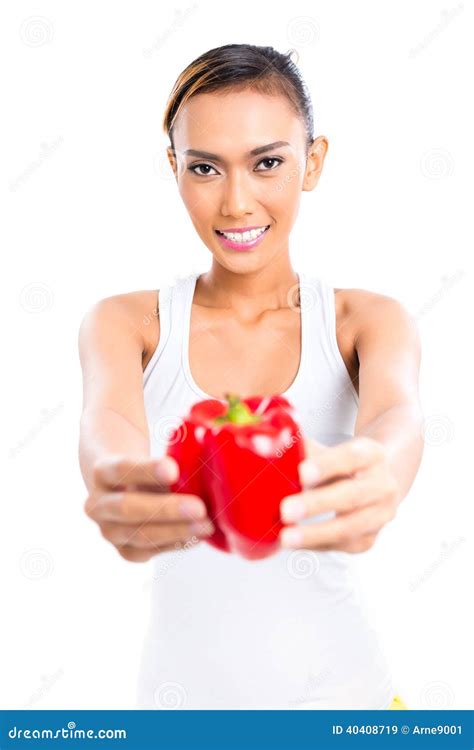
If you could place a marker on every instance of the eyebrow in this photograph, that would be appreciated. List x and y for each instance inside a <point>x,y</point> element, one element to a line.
<point>253,152</point>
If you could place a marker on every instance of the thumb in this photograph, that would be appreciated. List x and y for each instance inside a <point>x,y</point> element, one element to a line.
<point>312,448</point>
<point>167,469</point>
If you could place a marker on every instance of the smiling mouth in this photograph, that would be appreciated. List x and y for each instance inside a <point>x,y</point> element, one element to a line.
<point>243,237</point>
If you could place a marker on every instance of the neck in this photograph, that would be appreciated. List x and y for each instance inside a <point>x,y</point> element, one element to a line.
<point>250,293</point>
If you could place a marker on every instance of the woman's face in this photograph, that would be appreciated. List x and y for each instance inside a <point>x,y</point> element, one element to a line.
<point>227,187</point>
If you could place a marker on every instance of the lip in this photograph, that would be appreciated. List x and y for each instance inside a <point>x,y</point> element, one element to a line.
<point>243,246</point>
<point>242,229</point>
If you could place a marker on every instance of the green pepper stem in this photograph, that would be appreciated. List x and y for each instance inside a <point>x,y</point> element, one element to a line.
<point>237,412</point>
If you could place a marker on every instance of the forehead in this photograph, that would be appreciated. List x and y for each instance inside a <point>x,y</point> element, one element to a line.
<point>236,121</point>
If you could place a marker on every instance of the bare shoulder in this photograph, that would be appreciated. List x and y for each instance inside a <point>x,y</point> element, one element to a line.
<point>131,313</point>
<point>361,310</point>
<point>366,320</point>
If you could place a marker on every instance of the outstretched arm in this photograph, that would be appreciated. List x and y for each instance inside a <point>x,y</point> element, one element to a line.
<point>365,479</point>
<point>130,494</point>
<point>389,351</point>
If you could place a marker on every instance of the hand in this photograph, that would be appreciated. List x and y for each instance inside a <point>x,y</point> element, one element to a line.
<point>135,511</point>
<point>356,481</point>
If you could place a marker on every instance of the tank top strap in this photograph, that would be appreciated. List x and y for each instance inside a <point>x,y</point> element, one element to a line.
<point>328,306</point>
<point>323,325</point>
<point>318,305</point>
<point>171,309</point>
<point>314,301</point>
<point>181,289</point>
<point>328,323</point>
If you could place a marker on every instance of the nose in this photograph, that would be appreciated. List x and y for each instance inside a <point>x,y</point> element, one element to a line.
<point>237,199</point>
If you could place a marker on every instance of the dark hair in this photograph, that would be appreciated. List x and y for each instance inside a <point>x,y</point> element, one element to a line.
<point>239,67</point>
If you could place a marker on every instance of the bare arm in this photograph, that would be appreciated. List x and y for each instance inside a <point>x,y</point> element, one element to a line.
<point>113,418</point>
<point>389,351</point>
<point>129,492</point>
<point>364,479</point>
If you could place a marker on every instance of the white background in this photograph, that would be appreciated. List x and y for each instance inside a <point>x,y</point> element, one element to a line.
<point>90,209</point>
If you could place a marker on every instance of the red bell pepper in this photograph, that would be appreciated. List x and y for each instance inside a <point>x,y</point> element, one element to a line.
<point>185,446</point>
<point>242,459</point>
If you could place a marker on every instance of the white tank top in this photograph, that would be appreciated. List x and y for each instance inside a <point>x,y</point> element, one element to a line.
<point>288,631</point>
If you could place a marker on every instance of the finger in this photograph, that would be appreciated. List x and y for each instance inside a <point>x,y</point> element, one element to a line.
<point>135,554</point>
<point>340,460</point>
<point>151,536</point>
<point>118,471</point>
<point>338,530</point>
<point>142,507</point>
<point>361,544</point>
<point>341,496</point>
<point>312,448</point>
<point>358,544</point>
<point>132,554</point>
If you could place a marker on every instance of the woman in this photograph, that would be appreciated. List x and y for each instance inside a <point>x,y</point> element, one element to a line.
<point>288,631</point>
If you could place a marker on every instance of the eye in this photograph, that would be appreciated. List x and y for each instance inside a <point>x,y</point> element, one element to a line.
<point>270,158</point>
<point>199,166</point>
<point>267,159</point>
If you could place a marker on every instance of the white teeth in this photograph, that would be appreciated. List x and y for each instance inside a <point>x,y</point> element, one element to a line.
<point>252,234</point>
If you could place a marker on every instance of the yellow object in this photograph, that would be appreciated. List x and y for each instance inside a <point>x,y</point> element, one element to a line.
<point>397,703</point>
